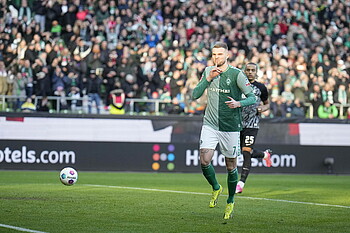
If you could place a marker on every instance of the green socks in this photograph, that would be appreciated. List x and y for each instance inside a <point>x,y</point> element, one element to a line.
<point>209,174</point>
<point>232,179</point>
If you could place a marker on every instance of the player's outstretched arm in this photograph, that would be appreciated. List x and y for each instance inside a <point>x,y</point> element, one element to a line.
<point>251,99</point>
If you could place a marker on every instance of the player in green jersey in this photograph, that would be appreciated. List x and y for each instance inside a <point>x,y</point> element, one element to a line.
<point>222,120</point>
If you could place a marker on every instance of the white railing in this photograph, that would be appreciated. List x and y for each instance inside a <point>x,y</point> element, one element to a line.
<point>130,104</point>
<point>341,107</point>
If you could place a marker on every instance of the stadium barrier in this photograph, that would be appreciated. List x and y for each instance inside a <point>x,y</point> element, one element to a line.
<point>32,141</point>
<point>6,100</point>
<point>130,105</point>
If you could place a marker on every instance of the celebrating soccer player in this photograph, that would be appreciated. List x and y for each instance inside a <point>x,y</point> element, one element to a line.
<point>222,120</point>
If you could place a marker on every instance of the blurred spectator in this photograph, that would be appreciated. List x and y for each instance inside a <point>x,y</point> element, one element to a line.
<point>67,34</point>
<point>27,72</point>
<point>39,8</point>
<point>315,97</point>
<point>299,89</point>
<point>124,68</point>
<point>94,91</point>
<point>166,97</point>
<point>75,96</point>
<point>130,86</point>
<point>94,60</point>
<point>60,82</point>
<point>43,85</point>
<point>152,106</point>
<point>28,106</point>
<point>109,77</point>
<point>348,92</point>
<point>19,89</point>
<point>341,95</point>
<point>25,13</point>
<point>56,29</point>
<point>117,102</point>
<point>280,47</point>
<point>297,108</point>
<point>278,107</point>
<point>176,83</point>
<point>195,108</point>
<point>175,108</point>
<point>43,105</point>
<point>105,52</point>
<point>327,110</point>
<point>3,79</point>
<point>30,53</point>
<point>328,93</point>
<point>152,39</point>
<point>287,93</point>
<point>11,76</point>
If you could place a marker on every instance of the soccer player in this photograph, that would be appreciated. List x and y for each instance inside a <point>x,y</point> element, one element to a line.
<point>251,125</point>
<point>222,120</point>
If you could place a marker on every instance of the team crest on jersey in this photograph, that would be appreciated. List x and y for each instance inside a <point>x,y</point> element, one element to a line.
<point>228,82</point>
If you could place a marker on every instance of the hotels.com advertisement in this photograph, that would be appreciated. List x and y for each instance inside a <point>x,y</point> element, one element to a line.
<point>156,145</point>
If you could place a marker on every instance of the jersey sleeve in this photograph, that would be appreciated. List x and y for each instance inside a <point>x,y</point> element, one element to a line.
<point>243,83</point>
<point>245,86</point>
<point>201,86</point>
<point>264,93</point>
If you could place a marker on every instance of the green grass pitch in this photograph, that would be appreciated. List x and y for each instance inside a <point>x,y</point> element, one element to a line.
<point>171,202</point>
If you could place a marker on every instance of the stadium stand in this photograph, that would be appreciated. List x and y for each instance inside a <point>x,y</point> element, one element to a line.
<point>75,53</point>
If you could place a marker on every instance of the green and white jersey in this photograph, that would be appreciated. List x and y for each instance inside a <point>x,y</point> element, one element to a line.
<point>233,83</point>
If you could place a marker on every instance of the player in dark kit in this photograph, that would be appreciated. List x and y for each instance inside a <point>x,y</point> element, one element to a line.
<point>251,121</point>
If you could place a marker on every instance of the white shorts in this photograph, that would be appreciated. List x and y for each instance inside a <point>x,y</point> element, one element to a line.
<point>229,142</point>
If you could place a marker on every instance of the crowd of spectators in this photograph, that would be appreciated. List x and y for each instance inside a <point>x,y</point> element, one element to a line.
<point>158,49</point>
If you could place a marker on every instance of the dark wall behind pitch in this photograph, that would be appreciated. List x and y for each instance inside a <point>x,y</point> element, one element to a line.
<point>180,154</point>
<point>171,157</point>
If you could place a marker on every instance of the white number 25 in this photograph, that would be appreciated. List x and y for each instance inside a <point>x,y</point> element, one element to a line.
<point>249,140</point>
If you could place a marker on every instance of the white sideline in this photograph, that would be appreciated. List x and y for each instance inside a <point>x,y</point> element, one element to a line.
<point>20,228</point>
<point>195,193</point>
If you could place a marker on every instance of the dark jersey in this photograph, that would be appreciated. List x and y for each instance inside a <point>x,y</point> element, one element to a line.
<point>250,113</point>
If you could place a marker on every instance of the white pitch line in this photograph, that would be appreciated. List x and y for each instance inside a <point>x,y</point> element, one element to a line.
<point>20,228</point>
<point>296,202</point>
<point>195,193</point>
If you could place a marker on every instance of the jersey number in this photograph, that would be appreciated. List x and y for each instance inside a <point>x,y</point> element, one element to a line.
<point>249,140</point>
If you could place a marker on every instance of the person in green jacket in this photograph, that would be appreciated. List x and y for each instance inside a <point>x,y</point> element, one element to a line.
<point>327,110</point>
<point>222,122</point>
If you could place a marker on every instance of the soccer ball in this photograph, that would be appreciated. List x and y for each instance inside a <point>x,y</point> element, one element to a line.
<point>68,176</point>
